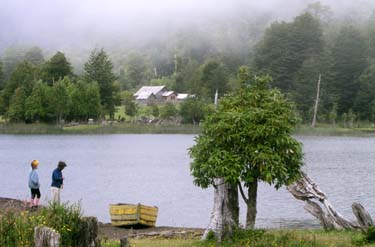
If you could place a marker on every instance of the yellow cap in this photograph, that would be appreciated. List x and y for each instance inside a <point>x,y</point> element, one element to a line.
<point>34,162</point>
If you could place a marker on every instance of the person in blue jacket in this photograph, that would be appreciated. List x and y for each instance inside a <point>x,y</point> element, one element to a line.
<point>57,182</point>
<point>34,184</point>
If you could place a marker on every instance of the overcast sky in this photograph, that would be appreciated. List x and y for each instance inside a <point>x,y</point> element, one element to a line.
<point>54,22</point>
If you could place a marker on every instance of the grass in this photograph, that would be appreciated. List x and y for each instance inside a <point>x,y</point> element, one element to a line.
<point>262,238</point>
<point>116,128</point>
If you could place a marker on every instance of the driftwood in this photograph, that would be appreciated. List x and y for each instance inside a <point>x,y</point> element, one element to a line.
<point>46,237</point>
<point>306,190</point>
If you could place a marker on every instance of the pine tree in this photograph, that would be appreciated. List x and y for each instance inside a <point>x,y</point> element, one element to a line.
<point>99,69</point>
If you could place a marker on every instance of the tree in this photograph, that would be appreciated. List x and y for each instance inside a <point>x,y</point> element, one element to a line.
<point>248,139</point>
<point>349,61</point>
<point>16,112</point>
<point>99,68</point>
<point>366,93</point>
<point>36,104</point>
<point>168,110</point>
<point>12,57</point>
<point>22,76</point>
<point>130,106</point>
<point>285,47</point>
<point>213,77</point>
<point>192,110</point>
<point>56,68</point>
<point>1,76</point>
<point>34,56</point>
<point>137,71</point>
<point>94,108</point>
<point>61,99</point>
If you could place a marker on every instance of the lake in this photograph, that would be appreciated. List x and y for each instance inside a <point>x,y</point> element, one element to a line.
<point>154,170</point>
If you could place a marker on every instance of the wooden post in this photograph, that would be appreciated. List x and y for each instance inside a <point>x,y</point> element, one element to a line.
<point>89,234</point>
<point>124,242</point>
<point>313,124</point>
<point>46,237</point>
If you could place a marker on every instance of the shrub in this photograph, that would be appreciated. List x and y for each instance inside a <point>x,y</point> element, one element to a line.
<point>17,229</point>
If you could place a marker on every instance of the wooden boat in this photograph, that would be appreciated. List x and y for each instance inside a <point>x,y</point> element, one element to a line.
<point>132,214</point>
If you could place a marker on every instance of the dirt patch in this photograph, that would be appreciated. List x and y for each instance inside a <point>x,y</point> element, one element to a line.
<point>106,230</point>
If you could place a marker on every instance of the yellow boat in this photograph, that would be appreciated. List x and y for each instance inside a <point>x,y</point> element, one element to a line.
<point>132,214</point>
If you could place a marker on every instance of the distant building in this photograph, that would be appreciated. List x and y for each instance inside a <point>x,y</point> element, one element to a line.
<point>150,94</point>
<point>156,95</point>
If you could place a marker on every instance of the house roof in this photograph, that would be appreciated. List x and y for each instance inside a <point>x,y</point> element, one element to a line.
<point>168,93</point>
<point>145,95</point>
<point>150,90</point>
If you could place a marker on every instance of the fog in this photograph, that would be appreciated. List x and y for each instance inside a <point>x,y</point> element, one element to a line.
<point>71,24</point>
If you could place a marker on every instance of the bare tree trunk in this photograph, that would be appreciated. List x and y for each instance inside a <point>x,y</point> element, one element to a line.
<point>313,124</point>
<point>306,190</point>
<point>251,203</point>
<point>225,213</point>
<point>46,237</point>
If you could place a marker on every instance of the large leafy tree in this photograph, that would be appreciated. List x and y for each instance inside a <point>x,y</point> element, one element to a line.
<point>36,105</point>
<point>99,69</point>
<point>247,140</point>
<point>61,99</point>
<point>56,68</point>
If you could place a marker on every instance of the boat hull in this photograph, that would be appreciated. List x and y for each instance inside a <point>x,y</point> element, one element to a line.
<point>133,214</point>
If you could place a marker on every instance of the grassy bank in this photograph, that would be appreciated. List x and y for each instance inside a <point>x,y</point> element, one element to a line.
<point>262,238</point>
<point>83,129</point>
<point>128,128</point>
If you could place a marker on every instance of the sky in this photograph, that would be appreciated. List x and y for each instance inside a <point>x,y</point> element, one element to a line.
<point>55,23</point>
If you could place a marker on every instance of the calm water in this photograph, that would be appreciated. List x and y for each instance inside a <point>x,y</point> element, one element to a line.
<point>154,170</point>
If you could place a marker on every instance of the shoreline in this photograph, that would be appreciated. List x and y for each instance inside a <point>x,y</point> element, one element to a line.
<point>107,231</point>
<point>128,128</point>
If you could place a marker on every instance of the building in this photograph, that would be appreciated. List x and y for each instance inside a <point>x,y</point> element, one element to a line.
<point>148,95</point>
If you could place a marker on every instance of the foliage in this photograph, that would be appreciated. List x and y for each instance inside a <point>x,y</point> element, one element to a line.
<point>34,56</point>
<point>130,106</point>
<point>286,46</point>
<point>248,138</point>
<point>16,110</point>
<point>168,110</point>
<point>56,68</point>
<point>192,110</point>
<point>99,69</point>
<point>17,229</point>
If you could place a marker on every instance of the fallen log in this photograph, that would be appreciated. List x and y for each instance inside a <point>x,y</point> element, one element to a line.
<point>307,190</point>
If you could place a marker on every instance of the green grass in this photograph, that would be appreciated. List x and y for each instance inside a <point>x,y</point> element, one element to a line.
<point>261,238</point>
<point>115,128</point>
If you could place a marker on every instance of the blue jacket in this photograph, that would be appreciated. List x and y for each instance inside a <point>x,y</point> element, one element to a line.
<point>57,178</point>
<point>33,179</point>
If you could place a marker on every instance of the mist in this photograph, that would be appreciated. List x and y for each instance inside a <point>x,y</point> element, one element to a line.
<point>69,25</point>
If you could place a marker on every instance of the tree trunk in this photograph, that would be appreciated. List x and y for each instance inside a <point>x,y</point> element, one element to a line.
<point>306,190</point>
<point>251,205</point>
<point>313,124</point>
<point>225,213</point>
<point>46,237</point>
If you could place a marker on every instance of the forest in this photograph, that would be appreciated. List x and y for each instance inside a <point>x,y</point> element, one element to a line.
<point>50,85</point>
